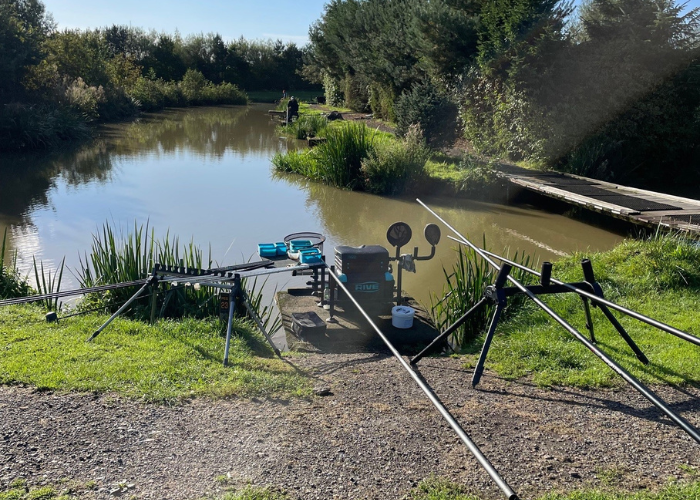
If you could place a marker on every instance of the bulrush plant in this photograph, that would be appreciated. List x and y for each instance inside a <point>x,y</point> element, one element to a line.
<point>339,158</point>
<point>119,258</point>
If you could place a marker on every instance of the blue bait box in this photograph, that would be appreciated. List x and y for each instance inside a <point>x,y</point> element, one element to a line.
<point>296,245</point>
<point>311,256</point>
<point>281,248</point>
<point>267,250</point>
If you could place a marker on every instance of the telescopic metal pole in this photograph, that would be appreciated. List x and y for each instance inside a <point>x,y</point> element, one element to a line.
<point>473,448</point>
<point>229,326</point>
<point>681,422</point>
<point>595,298</point>
<point>119,311</point>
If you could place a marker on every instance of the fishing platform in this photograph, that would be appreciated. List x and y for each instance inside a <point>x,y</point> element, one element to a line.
<point>638,206</point>
<point>321,318</point>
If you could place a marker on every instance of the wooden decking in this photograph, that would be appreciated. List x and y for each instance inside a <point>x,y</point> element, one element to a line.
<point>634,205</point>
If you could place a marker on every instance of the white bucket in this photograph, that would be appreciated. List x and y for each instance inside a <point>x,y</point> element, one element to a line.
<point>402,316</point>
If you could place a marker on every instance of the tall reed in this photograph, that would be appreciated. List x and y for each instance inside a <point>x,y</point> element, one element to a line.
<point>118,257</point>
<point>48,283</point>
<point>307,126</point>
<point>339,158</point>
<point>464,286</point>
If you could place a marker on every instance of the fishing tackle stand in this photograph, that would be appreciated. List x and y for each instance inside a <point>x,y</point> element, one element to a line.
<point>225,278</point>
<point>497,294</point>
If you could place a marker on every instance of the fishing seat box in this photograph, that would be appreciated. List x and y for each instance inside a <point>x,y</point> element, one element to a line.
<point>308,324</point>
<point>367,260</point>
<point>365,272</point>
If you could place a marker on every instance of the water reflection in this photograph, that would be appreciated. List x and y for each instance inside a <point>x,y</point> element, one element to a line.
<point>205,174</point>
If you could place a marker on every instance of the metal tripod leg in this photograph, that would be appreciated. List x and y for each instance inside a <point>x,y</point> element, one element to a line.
<point>231,307</point>
<point>589,320</point>
<point>447,332</point>
<point>487,343</point>
<point>119,311</point>
<point>590,278</point>
<point>258,322</point>
<point>637,351</point>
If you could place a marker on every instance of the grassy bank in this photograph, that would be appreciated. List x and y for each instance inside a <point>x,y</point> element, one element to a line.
<point>658,277</point>
<point>165,362</point>
<point>359,157</point>
<point>354,156</point>
<point>438,489</point>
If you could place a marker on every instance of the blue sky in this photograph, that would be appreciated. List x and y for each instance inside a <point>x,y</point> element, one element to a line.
<point>283,19</point>
<point>260,19</point>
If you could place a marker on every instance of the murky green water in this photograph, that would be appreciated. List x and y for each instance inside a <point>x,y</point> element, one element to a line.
<point>205,174</point>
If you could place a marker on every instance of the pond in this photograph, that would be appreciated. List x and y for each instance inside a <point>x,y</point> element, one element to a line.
<point>204,174</point>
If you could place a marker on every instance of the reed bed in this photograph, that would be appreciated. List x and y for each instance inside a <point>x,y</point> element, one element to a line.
<point>307,126</point>
<point>118,257</point>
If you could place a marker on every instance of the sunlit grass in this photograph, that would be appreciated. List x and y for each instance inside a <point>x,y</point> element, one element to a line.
<point>441,489</point>
<point>659,277</point>
<point>163,363</point>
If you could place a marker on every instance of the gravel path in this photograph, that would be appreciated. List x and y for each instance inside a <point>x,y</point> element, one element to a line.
<point>374,436</point>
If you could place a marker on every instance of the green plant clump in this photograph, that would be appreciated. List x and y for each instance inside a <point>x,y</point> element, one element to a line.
<point>393,167</point>
<point>464,287</point>
<point>308,125</point>
<point>120,258</point>
<point>11,283</point>
<point>354,157</point>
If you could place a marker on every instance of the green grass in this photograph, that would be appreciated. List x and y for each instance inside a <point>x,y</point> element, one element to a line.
<point>659,277</point>
<point>470,177</point>
<point>165,362</point>
<point>357,157</point>
<point>440,489</point>
<point>255,493</point>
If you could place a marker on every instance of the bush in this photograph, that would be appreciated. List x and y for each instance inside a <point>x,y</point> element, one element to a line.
<point>38,126</point>
<point>392,167</point>
<point>224,93</point>
<point>334,96</point>
<point>148,94</point>
<point>436,114</point>
<point>84,99</point>
<point>117,105</point>
<point>381,100</point>
<point>307,126</point>
<point>477,179</point>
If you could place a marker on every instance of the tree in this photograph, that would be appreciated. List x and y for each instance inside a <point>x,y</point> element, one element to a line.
<point>23,27</point>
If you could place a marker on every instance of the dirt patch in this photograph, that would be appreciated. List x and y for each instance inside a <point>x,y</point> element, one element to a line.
<point>374,436</point>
